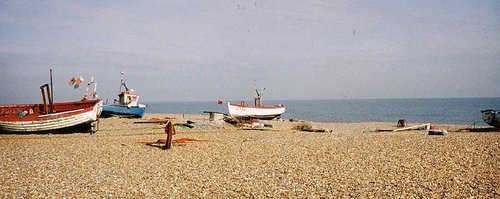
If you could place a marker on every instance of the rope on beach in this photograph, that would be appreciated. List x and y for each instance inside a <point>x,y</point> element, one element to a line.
<point>179,140</point>
<point>170,130</point>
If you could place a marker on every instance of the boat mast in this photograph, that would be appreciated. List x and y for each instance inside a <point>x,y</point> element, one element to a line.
<point>258,99</point>
<point>94,93</point>
<point>51,100</point>
<point>121,81</point>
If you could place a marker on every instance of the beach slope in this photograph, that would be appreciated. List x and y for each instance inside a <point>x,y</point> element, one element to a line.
<point>351,161</point>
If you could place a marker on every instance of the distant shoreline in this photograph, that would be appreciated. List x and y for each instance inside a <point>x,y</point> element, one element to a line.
<point>466,111</point>
<point>277,100</point>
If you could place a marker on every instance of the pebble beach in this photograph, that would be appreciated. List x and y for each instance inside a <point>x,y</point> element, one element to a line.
<point>349,160</point>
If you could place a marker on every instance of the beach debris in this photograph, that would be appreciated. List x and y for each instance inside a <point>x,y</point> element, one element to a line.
<point>426,126</point>
<point>167,143</point>
<point>259,124</point>
<point>255,123</point>
<point>249,123</point>
<point>304,126</point>
<point>294,120</point>
<point>176,141</point>
<point>401,123</point>
<point>153,120</point>
<point>318,130</point>
<point>237,121</point>
<point>184,140</point>
<point>231,120</point>
<point>437,132</point>
<point>383,130</point>
<point>377,130</point>
<point>481,129</point>
<point>214,115</point>
<point>185,125</point>
<point>431,129</point>
<point>189,124</point>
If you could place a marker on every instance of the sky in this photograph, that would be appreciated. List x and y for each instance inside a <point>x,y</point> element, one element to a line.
<point>210,50</point>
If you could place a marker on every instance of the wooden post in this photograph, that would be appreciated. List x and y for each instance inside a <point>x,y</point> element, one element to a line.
<point>169,129</point>
<point>45,106</point>
<point>50,106</point>
<point>51,93</point>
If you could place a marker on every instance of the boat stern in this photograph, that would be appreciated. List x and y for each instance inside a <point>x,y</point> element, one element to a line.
<point>98,109</point>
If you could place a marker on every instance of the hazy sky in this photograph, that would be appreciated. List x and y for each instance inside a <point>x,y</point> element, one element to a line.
<point>209,50</point>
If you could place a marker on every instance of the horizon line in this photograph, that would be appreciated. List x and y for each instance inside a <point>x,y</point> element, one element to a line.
<point>406,98</point>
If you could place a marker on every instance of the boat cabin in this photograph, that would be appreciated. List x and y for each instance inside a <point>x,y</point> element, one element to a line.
<point>128,98</point>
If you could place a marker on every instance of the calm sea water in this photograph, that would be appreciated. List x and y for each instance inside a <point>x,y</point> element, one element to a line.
<point>447,111</point>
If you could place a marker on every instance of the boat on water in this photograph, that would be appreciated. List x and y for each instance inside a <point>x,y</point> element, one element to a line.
<point>127,105</point>
<point>49,116</point>
<point>258,110</point>
<point>491,117</point>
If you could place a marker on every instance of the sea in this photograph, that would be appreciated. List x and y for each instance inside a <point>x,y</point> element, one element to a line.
<point>441,111</point>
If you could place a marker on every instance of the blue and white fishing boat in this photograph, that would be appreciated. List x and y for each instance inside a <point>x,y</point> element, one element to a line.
<point>127,104</point>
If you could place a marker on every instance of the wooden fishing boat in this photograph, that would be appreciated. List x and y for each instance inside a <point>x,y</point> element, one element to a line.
<point>491,117</point>
<point>50,116</point>
<point>18,118</point>
<point>258,110</point>
<point>127,104</point>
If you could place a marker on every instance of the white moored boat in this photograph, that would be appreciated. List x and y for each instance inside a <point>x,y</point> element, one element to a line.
<point>244,110</point>
<point>259,111</point>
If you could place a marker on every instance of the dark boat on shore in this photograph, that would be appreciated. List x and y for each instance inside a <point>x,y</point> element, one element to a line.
<point>491,117</point>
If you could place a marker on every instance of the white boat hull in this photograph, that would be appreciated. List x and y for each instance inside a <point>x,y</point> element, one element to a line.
<point>261,112</point>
